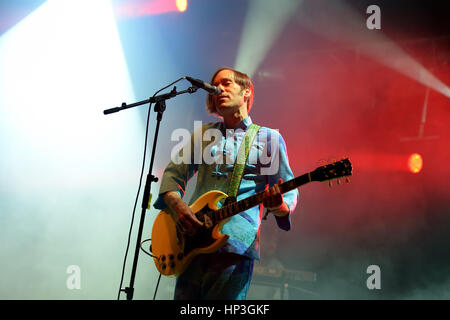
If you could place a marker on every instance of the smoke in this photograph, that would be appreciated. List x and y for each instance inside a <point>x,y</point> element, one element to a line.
<point>335,102</point>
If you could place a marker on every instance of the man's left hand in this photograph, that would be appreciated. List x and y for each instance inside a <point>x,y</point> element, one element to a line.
<point>273,201</point>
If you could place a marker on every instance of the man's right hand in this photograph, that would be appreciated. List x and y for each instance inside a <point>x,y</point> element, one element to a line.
<point>185,218</point>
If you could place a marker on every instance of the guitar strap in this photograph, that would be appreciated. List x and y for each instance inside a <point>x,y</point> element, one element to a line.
<point>241,159</point>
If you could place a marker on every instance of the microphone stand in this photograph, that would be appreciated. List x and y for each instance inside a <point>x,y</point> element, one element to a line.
<point>160,107</point>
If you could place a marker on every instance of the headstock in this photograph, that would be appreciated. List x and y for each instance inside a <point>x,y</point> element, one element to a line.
<point>335,170</point>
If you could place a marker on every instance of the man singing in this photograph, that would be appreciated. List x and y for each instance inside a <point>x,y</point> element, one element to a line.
<point>226,273</point>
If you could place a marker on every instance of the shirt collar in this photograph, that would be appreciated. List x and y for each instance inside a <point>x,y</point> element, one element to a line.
<point>244,124</point>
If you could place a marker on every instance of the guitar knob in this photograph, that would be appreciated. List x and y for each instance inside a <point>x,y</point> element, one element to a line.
<point>163,258</point>
<point>180,256</point>
<point>171,257</point>
<point>172,264</point>
<point>163,266</point>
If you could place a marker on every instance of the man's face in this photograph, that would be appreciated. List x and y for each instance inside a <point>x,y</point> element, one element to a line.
<point>232,96</point>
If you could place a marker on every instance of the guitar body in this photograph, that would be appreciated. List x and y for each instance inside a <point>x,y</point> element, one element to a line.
<point>172,250</point>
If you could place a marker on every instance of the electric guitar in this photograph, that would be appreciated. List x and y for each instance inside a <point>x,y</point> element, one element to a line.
<point>173,251</point>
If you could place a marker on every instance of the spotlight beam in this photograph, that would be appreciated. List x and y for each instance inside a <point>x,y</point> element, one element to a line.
<point>337,21</point>
<point>264,22</point>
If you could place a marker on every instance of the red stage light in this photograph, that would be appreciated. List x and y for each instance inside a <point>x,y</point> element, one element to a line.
<point>415,163</point>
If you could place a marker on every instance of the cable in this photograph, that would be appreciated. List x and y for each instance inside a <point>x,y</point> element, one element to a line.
<point>139,189</point>
<point>157,285</point>
<point>145,251</point>
<point>135,204</point>
<point>159,278</point>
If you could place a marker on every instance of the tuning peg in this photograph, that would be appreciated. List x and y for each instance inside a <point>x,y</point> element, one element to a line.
<point>330,184</point>
<point>338,181</point>
<point>347,180</point>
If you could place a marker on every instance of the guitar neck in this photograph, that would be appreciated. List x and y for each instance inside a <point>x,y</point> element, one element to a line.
<point>234,208</point>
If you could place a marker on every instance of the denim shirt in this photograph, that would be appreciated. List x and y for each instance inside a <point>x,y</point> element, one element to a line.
<point>266,163</point>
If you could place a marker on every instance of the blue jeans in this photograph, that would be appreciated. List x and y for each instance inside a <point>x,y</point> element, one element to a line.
<point>215,276</point>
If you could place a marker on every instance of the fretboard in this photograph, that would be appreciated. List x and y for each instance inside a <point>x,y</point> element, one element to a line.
<point>239,206</point>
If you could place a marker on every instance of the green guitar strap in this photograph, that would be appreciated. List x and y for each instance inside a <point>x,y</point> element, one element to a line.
<point>241,159</point>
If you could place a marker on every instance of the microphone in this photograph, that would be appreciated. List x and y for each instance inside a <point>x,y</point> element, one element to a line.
<point>205,86</point>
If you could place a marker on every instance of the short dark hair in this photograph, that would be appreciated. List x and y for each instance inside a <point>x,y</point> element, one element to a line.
<point>242,79</point>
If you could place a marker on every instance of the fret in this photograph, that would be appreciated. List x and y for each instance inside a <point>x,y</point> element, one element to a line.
<point>244,204</point>
<point>227,211</point>
<point>238,205</point>
<point>224,213</point>
<point>235,208</point>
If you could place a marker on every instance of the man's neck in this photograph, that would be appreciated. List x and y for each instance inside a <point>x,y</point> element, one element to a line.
<point>233,119</point>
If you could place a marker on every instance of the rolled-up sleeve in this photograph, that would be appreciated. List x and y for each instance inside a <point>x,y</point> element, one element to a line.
<point>280,158</point>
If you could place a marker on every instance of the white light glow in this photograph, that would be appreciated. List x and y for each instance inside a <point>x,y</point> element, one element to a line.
<point>59,67</point>
<point>68,173</point>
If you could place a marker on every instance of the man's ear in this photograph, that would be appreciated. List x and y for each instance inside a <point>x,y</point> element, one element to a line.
<point>247,93</point>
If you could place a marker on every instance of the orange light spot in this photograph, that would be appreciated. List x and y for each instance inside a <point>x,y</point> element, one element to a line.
<point>181,5</point>
<point>415,163</point>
